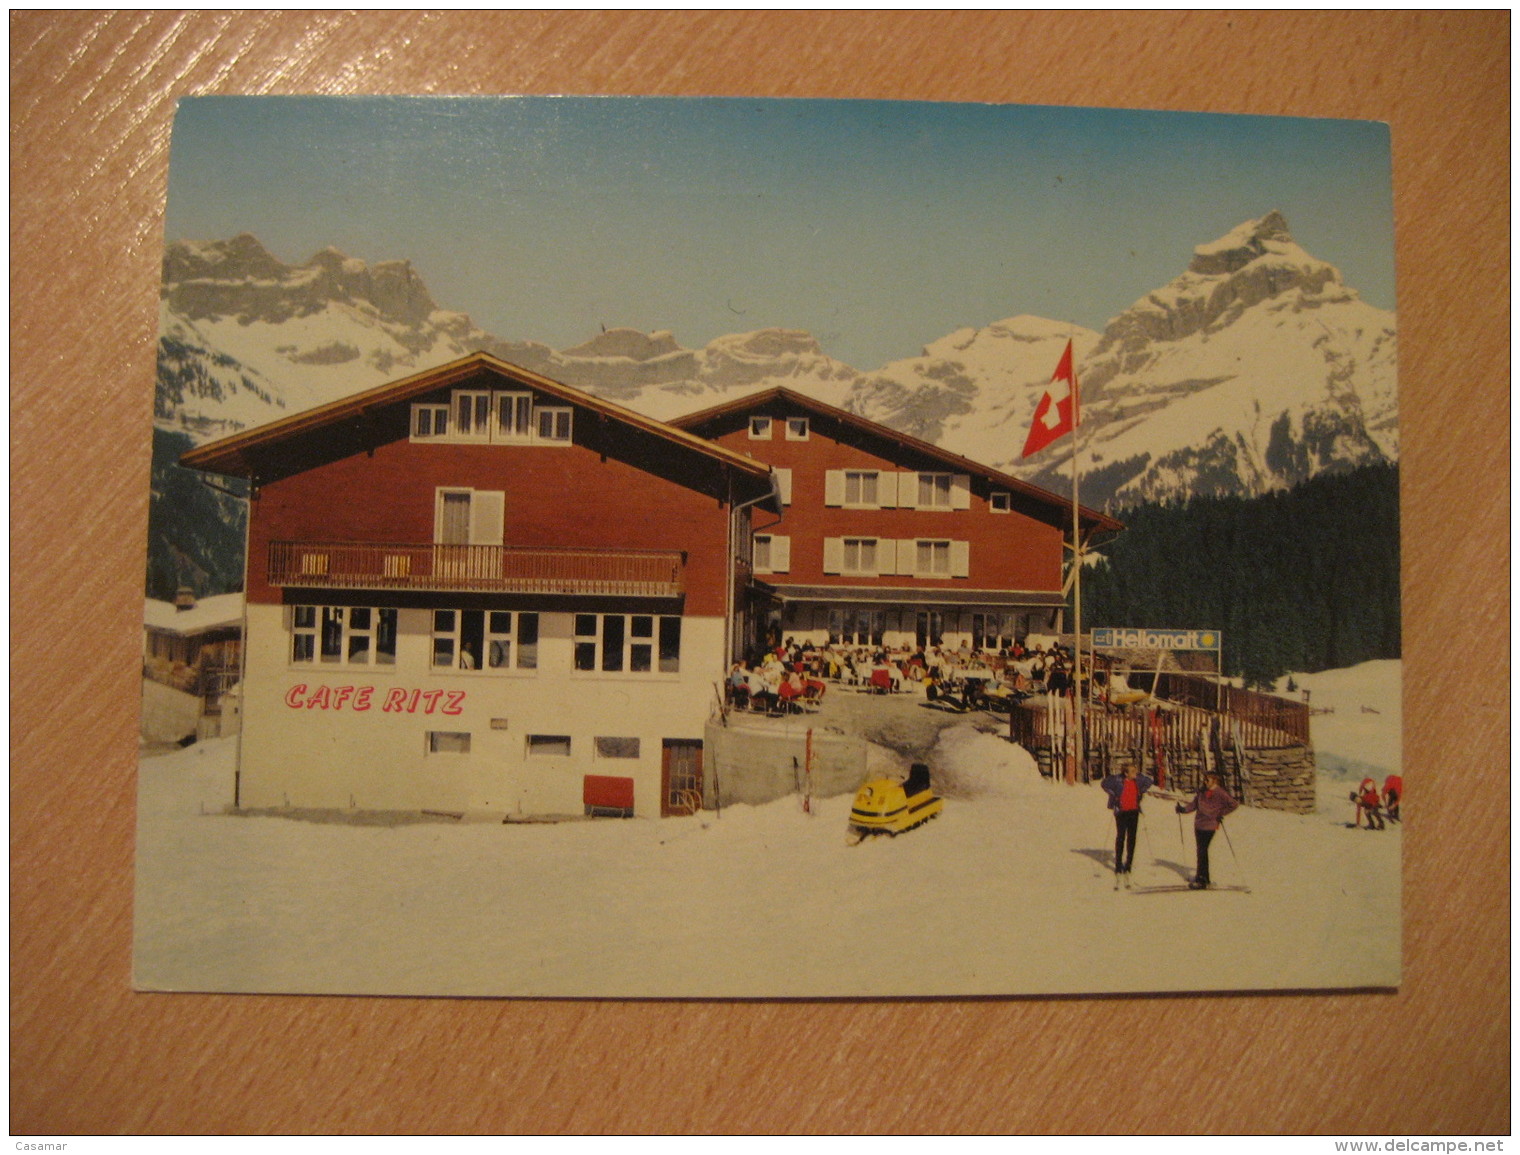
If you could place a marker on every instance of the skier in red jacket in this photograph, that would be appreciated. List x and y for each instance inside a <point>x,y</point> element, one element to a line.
<point>1209,808</point>
<point>1368,802</point>
<point>1393,792</point>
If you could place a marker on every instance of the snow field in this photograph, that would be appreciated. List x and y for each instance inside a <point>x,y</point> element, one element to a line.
<point>1009,891</point>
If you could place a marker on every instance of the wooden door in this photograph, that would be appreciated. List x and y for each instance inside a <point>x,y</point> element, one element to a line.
<point>680,777</point>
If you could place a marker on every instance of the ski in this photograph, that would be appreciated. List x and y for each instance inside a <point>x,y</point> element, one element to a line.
<point>1184,887</point>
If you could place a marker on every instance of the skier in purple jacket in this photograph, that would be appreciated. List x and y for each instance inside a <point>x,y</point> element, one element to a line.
<point>1209,808</point>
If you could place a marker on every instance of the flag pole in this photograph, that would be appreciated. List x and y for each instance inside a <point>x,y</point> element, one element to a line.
<point>1076,556</point>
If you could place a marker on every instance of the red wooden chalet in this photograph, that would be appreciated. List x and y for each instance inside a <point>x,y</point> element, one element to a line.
<point>886,539</point>
<point>473,588</point>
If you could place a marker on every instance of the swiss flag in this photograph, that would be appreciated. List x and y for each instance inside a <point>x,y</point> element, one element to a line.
<point>1056,414</point>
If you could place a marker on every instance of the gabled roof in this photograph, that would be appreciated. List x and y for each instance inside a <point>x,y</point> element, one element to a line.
<point>236,455</point>
<point>768,397</point>
<point>220,611</point>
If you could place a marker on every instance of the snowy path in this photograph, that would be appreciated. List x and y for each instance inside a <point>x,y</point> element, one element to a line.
<point>1007,892</point>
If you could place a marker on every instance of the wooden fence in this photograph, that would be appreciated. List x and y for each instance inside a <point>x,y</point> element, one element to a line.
<point>1177,744</point>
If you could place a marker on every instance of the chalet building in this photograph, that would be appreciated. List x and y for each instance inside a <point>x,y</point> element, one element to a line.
<point>192,659</point>
<point>479,590</point>
<point>888,540</point>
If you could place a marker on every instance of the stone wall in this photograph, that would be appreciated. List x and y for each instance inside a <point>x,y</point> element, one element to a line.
<point>1281,779</point>
<point>754,765</point>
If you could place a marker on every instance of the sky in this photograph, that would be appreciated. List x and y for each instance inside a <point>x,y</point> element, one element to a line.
<point>878,226</point>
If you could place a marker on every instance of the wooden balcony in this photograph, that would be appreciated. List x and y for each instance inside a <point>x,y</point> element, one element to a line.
<point>476,569</point>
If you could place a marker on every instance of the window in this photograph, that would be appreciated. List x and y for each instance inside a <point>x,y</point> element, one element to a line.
<point>796,428</point>
<point>447,742</point>
<point>627,643</point>
<point>773,553</point>
<point>617,747</point>
<point>549,745</point>
<point>553,424</point>
<point>469,517</point>
<point>862,487</point>
<point>485,640</point>
<point>860,555</point>
<point>856,627</point>
<point>932,558</point>
<point>994,631</point>
<point>490,415</point>
<point>514,416</point>
<point>759,428</point>
<point>934,491</point>
<point>1000,501</point>
<point>430,421</point>
<point>342,636</point>
<point>472,414</point>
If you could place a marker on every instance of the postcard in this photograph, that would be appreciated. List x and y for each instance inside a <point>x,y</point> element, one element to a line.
<point>726,548</point>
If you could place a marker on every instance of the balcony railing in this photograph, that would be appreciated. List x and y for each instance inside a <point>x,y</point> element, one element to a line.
<point>476,568</point>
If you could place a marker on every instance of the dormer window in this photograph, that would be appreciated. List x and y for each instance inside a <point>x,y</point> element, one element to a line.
<point>472,414</point>
<point>553,424</point>
<point>493,416</point>
<point>430,421</point>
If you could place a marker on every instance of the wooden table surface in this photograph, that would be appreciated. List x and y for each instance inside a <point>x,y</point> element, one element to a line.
<point>92,96</point>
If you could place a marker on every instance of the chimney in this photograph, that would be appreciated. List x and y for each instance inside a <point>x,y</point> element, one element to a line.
<point>184,599</point>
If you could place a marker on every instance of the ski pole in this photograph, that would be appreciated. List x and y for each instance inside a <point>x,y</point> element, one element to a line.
<point>1244,881</point>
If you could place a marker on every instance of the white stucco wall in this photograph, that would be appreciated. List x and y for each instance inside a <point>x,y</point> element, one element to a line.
<point>309,742</point>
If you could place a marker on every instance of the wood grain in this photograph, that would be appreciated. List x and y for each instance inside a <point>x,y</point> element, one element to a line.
<point>92,96</point>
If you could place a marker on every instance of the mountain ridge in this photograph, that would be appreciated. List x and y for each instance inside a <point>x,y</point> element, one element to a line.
<point>1254,369</point>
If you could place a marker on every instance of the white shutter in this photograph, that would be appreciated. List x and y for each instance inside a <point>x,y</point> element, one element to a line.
<point>488,512</point>
<point>960,559</point>
<point>960,491</point>
<point>833,554</point>
<point>784,484</point>
<point>781,554</point>
<point>833,487</point>
<point>907,558</point>
<point>907,491</point>
<point>886,490</point>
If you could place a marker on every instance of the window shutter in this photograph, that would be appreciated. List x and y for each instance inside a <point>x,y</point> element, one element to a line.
<point>781,554</point>
<point>833,554</point>
<point>907,490</point>
<point>784,483</point>
<point>905,556</point>
<point>833,488</point>
<point>960,491</point>
<point>960,559</point>
<point>886,490</point>
<point>488,512</point>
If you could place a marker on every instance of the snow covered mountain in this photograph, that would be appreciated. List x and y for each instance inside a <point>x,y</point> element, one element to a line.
<point>1254,369</point>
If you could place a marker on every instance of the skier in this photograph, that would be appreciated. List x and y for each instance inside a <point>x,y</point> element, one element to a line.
<point>1209,806</point>
<point>1369,803</point>
<point>1124,793</point>
<point>1393,791</point>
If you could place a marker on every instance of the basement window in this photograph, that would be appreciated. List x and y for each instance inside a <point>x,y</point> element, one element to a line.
<point>447,742</point>
<point>549,745</point>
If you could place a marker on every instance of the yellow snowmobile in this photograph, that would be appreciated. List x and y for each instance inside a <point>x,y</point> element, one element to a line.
<point>887,806</point>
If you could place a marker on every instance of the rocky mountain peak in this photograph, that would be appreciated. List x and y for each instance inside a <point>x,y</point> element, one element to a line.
<point>1242,245</point>
<point>240,278</point>
<point>630,343</point>
<point>239,258</point>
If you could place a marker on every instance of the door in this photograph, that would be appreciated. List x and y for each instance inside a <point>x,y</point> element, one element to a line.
<point>680,777</point>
